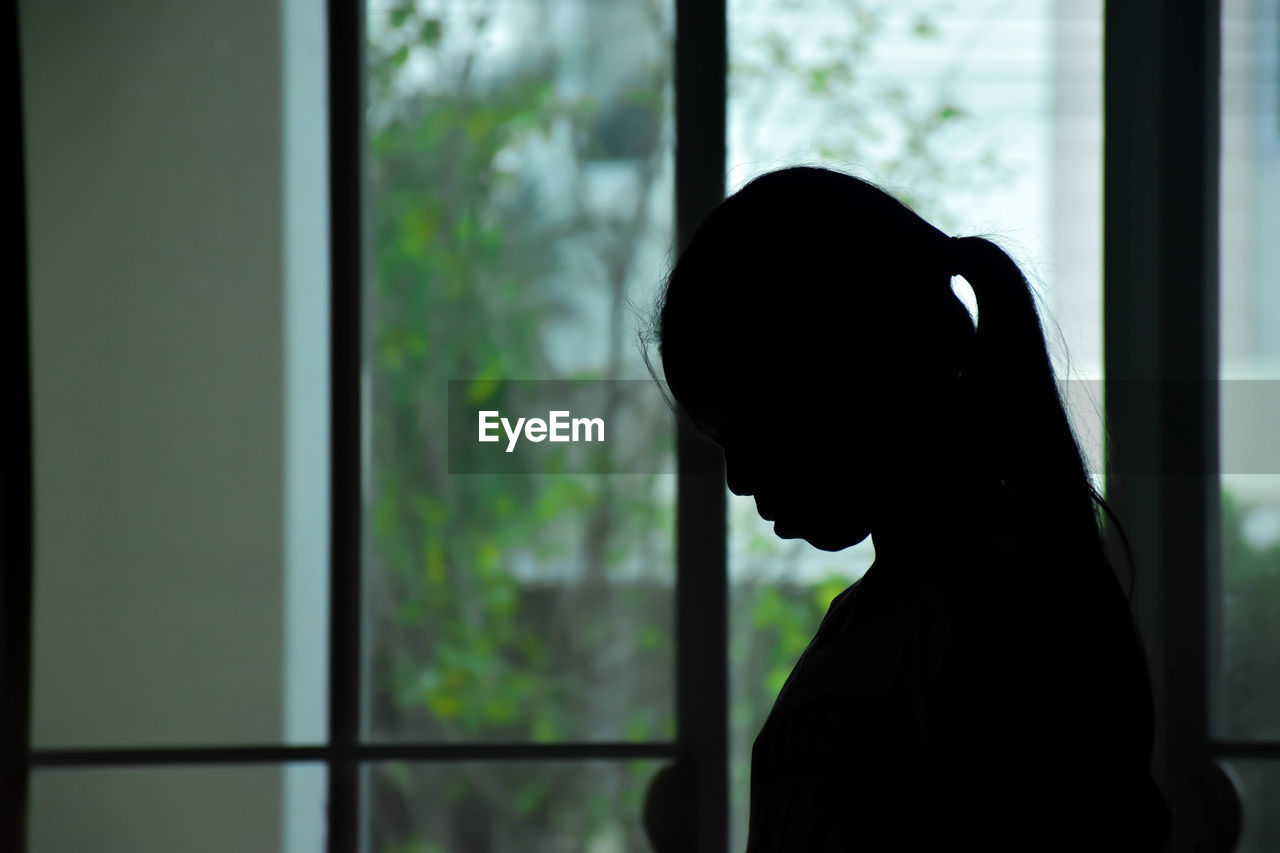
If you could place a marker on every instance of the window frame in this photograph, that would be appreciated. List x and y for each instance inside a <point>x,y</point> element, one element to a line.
<point>16,499</point>
<point>1160,260</point>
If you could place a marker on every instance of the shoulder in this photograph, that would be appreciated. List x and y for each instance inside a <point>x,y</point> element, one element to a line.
<point>1042,628</point>
<point>1007,582</point>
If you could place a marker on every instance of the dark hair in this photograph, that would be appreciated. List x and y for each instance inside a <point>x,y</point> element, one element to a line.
<point>805,250</point>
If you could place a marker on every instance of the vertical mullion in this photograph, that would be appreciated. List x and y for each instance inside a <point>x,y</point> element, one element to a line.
<point>1189,229</point>
<point>1161,338</point>
<point>345,35</point>
<point>15,486</point>
<point>1130,283</point>
<point>702,695</point>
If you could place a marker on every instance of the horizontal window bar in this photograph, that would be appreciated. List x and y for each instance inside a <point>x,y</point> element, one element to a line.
<point>1245,749</point>
<point>362,752</point>
<point>439,752</point>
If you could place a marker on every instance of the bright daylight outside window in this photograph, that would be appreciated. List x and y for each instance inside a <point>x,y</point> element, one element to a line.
<point>1245,692</point>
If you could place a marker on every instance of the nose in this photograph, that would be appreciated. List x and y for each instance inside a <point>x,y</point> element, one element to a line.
<point>736,484</point>
<point>736,476</point>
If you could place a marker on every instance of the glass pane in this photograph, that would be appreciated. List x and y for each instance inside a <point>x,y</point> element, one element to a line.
<point>489,807</point>
<point>192,809</point>
<point>176,187</point>
<point>521,191</point>
<point>987,119</point>
<point>1247,695</point>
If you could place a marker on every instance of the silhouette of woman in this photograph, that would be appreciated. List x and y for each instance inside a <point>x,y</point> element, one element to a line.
<point>982,686</point>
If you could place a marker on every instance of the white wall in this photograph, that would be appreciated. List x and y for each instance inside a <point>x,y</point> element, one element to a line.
<point>176,190</point>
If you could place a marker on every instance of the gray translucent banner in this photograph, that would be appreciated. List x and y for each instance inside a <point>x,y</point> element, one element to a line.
<point>567,426</point>
<point>560,426</point>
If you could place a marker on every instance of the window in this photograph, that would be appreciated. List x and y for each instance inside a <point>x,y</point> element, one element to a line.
<point>520,177</point>
<point>1245,704</point>
<point>262,242</point>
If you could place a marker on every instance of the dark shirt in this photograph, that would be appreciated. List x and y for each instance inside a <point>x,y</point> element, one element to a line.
<point>1000,707</point>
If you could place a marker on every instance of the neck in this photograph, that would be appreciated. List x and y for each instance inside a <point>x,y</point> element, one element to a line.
<point>921,526</point>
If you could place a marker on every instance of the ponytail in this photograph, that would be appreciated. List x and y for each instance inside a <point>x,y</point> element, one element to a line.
<point>1010,338</point>
<point>1012,392</point>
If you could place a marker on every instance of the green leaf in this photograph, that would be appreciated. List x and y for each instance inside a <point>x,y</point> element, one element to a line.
<point>397,773</point>
<point>769,608</point>
<point>642,97</point>
<point>446,706</point>
<point>430,33</point>
<point>484,386</point>
<point>499,709</point>
<point>529,796</point>
<point>400,14</point>
<point>650,637</point>
<point>488,555</point>
<point>501,598</point>
<point>433,562</point>
<point>546,726</point>
<point>793,640</point>
<point>455,789</point>
<point>925,28</point>
<point>638,725</point>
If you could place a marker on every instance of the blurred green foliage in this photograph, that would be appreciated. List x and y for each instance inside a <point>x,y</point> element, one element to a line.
<point>1249,667</point>
<point>462,648</point>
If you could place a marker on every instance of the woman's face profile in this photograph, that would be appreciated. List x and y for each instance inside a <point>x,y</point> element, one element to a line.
<point>809,467</point>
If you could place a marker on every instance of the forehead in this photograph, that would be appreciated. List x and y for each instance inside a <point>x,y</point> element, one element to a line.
<point>750,411</point>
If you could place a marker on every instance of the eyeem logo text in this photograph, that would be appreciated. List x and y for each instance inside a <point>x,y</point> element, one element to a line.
<point>558,427</point>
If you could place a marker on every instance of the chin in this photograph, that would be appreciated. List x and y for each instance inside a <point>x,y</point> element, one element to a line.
<point>832,540</point>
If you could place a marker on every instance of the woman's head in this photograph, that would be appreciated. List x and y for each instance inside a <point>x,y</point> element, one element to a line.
<point>810,329</point>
